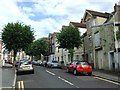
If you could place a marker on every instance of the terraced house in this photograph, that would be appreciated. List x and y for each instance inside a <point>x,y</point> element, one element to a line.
<point>99,40</point>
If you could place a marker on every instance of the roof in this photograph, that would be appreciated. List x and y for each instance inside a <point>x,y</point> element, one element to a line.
<point>78,25</point>
<point>96,13</point>
<point>64,26</point>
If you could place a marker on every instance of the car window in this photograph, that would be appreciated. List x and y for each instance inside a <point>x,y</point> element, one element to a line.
<point>54,62</point>
<point>84,63</point>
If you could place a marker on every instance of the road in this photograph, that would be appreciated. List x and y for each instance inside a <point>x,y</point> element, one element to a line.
<point>58,78</point>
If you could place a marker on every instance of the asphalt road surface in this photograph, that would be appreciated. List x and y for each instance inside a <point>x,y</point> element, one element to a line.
<point>58,78</point>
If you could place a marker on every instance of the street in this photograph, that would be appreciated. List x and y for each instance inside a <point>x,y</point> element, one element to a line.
<point>58,78</point>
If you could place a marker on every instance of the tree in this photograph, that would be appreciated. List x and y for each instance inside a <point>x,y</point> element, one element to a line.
<point>17,36</point>
<point>38,47</point>
<point>69,38</point>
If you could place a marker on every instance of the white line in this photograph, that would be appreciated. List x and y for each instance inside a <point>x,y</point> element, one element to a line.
<point>108,80</point>
<point>14,80</point>
<point>50,72</point>
<point>65,81</point>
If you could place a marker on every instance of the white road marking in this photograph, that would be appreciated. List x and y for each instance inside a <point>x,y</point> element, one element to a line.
<point>50,72</point>
<point>65,81</point>
<point>107,80</point>
<point>14,80</point>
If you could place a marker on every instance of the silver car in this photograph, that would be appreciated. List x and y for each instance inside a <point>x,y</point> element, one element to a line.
<point>25,67</point>
<point>53,64</point>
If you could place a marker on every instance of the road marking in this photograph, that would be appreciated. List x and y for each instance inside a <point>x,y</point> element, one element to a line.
<point>14,80</point>
<point>20,85</point>
<point>107,80</point>
<point>50,72</point>
<point>65,81</point>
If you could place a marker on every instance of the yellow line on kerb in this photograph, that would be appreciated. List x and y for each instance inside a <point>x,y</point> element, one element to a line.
<point>20,85</point>
<point>107,80</point>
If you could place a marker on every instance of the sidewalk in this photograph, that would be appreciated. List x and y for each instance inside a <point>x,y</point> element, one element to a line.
<point>8,77</point>
<point>109,75</point>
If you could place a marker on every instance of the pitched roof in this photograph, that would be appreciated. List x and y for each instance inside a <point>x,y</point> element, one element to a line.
<point>78,25</point>
<point>96,13</point>
<point>64,26</point>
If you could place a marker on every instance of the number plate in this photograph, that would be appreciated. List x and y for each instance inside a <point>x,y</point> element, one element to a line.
<point>26,67</point>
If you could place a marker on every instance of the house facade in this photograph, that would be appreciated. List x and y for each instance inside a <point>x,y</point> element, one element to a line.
<point>99,40</point>
<point>92,18</point>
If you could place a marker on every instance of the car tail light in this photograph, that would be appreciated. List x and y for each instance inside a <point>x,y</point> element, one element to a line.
<point>79,66</point>
<point>90,66</point>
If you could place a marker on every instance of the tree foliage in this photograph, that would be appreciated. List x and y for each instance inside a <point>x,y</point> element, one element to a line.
<point>69,38</point>
<point>17,36</point>
<point>38,47</point>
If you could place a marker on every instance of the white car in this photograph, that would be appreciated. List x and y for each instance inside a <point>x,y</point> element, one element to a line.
<point>25,67</point>
<point>53,64</point>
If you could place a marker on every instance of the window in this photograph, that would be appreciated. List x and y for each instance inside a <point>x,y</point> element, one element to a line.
<point>90,40</point>
<point>88,23</point>
<point>94,22</point>
<point>97,39</point>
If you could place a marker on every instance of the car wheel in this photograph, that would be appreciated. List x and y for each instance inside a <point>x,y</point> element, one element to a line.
<point>33,72</point>
<point>67,70</point>
<point>89,74</point>
<point>75,72</point>
<point>17,72</point>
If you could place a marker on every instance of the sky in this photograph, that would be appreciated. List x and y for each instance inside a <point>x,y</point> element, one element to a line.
<point>48,16</point>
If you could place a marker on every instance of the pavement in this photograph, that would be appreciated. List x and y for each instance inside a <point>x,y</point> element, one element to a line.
<point>8,77</point>
<point>109,75</point>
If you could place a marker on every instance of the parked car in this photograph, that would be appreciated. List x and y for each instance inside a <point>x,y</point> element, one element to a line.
<point>53,64</point>
<point>78,66</point>
<point>9,61</point>
<point>25,67</point>
<point>35,62</point>
<point>40,62</point>
<point>44,63</point>
<point>19,62</point>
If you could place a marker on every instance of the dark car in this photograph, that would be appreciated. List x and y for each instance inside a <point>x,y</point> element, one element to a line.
<point>78,66</point>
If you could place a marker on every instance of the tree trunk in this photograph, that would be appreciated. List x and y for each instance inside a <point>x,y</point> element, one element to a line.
<point>71,51</point>
<point>15,53</point>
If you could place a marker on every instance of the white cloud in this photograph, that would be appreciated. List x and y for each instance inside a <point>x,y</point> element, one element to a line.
<point>72,9</point>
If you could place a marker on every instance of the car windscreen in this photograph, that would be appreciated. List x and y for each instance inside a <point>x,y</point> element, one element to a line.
<point>54,61</point>
<point>84,63</point>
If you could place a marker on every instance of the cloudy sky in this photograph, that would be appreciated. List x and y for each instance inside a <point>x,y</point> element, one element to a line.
<point>47,16</point>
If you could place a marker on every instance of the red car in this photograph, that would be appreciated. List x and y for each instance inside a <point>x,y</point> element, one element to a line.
<point>78,66</point>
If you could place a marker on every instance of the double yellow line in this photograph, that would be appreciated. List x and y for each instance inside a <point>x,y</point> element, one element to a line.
<point>20,85</point>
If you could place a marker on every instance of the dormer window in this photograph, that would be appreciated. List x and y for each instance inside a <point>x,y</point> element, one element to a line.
<point>88,23</point>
